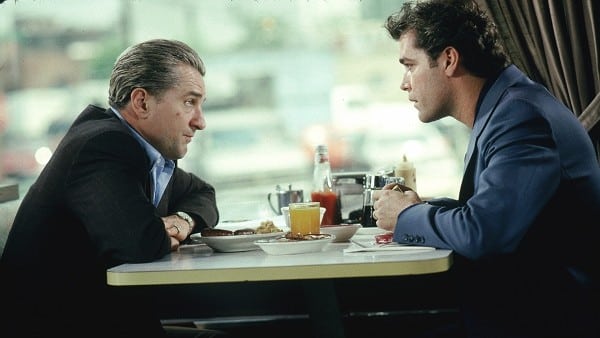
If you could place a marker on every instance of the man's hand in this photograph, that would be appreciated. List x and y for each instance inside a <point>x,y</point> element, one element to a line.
<point>177,228</point>
<point>389,202</point>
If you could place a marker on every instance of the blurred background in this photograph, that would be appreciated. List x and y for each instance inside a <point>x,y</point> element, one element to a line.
<point>282,77</point>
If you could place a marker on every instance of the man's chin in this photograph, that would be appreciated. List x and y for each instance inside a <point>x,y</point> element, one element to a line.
<point>182,153</point>
<point>176,156</point>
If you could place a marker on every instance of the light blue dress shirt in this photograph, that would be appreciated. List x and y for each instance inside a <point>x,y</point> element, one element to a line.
<point>161,168</point>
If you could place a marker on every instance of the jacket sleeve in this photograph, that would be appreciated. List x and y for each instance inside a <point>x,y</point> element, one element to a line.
<point>191,194</point>
<point>516,169</point>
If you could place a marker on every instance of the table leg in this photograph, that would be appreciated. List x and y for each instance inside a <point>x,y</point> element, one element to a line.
<point>323,308</point>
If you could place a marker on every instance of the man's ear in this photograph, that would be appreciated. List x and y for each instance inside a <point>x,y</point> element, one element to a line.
<point>139,98</point>
<point>450,59</point>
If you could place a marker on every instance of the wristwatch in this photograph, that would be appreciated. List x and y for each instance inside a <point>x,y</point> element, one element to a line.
<point>186,218</point>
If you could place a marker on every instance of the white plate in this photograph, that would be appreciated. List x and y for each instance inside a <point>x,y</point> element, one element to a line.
<point>234,243</point>
<point>282,246</point>
<point>233,225</point>
<point>342,233</point>
<point>370,231</point>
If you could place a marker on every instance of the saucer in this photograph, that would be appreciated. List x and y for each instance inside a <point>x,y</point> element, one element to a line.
<point>284,246</point>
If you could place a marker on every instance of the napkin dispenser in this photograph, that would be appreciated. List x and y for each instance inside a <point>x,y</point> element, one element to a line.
<point>349,187</point>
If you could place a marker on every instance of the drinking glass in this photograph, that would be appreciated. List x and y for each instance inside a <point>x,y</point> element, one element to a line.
<point>305,218</point>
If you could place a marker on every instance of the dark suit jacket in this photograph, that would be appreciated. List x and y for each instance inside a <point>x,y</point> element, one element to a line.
<point>525,222</point>
<point>90,210</point>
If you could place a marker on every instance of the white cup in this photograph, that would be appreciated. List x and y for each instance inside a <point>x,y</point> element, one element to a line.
<point>285,211</point>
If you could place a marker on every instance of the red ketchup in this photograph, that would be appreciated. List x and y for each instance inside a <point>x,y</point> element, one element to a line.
<point>384,238</point>
<point>328,200</point>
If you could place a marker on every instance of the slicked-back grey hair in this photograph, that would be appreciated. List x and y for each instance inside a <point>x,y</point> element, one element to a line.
<point>150,65</point>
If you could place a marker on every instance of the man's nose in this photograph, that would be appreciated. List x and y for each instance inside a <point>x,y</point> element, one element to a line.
<point>199,122</point>
<point>405,85</point>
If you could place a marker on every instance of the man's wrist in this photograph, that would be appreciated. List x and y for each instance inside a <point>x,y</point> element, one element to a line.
<point>186,217</point>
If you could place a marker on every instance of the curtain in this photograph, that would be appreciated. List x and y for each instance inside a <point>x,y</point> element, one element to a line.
<point>556,42</point>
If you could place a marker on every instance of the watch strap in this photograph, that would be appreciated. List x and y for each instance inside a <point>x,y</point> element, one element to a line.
<point>186,217</point>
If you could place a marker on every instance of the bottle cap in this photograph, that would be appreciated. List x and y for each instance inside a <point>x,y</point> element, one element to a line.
<point>322,149</point>
<point>405,164</point>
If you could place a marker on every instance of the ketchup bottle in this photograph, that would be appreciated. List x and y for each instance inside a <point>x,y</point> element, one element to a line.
<point>322,191</point>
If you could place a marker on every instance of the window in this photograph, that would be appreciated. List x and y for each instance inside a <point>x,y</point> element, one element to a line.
<point>281,78</point>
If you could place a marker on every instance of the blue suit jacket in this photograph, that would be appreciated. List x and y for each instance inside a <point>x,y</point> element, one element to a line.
<point>524,224</point>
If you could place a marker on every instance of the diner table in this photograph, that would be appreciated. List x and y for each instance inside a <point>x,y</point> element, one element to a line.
<point>195,265</point>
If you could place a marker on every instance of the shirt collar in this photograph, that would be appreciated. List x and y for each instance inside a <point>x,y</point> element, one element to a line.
<point>485,89</point>
<point>153,154</point>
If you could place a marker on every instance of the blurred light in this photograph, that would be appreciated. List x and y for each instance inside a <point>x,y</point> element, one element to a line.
<point>315,134</point>
<point>42,155</point>
<point>414,148</point>
<point>82,50</point>
<point>268,24</point>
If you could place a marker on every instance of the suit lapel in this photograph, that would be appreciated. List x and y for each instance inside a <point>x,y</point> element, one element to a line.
<point>507,78</point>
<point>467,186</point>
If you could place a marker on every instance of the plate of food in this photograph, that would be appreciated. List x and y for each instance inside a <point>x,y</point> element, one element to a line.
<point>293,244</point>
<point>223,240</point>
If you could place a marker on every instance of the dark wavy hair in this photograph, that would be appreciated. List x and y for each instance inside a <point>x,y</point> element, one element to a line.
<point>151,65</point>
<point>458,23</point>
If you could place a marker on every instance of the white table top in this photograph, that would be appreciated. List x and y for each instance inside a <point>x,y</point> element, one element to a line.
<point>256,265</point>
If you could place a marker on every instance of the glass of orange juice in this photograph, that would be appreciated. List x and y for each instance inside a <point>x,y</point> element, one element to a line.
<point>305,218</point>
